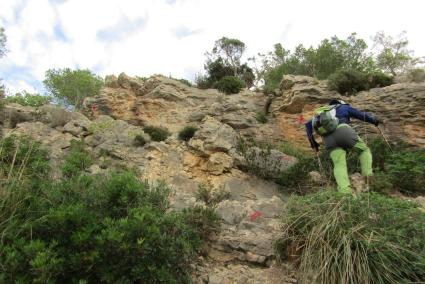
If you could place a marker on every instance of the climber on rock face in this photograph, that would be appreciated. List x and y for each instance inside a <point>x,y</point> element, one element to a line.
<point>331,122</point>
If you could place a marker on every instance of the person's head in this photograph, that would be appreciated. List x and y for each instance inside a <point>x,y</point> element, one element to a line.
<point>337,102</point>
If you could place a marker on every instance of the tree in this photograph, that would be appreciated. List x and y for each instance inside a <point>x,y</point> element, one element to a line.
<point>393,55</point>
<point>230,50</point>
<point>72,86</point>
<point>3,51</point>
<point>3,40</point>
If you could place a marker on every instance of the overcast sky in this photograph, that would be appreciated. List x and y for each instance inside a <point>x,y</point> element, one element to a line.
<point>144,37</point>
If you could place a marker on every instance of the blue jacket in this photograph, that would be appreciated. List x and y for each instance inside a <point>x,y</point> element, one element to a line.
<point>344,113</point>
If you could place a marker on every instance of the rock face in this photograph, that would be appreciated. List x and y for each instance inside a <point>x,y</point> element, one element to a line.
<point>243,251</point>
<point>402,106</point>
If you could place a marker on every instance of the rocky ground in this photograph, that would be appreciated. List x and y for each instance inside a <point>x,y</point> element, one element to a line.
<point>243,251</point>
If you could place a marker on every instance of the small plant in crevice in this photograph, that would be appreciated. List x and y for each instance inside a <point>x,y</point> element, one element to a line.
<point>261,117</point>
<point>211,197</point>
<point>139,140</point>
<point>187,132</point>
<point>156,133</point>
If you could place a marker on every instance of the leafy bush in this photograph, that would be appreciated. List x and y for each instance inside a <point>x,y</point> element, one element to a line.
<point>417,75</point>
<point>92,229</point>
<point>407,170</point>
<point>368,239</point>
<point>229,85</point>
<point>187,133</point>
<point>77,161</point>
<point>27,99</point>
<point>380,80</point>
<point>156,133</point>
<point>348,82</point>
<point>139,140</point>
<point>261,117</point>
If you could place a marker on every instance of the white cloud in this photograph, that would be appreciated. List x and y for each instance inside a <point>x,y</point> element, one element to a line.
<point>170,37</point>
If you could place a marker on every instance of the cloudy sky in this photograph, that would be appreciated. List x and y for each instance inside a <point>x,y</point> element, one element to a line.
<point>144,37</point>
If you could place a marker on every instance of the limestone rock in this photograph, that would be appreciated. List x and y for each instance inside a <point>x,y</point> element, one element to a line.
<point>219,163</point>
<point>213,136</point>
<point>129,83</point>
<point>288,81</point>
<point>111,81</point>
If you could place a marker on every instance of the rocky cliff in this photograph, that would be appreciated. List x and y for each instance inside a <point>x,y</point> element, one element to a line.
<point>243,250</point>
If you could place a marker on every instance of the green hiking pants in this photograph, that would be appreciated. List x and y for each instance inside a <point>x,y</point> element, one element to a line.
<point>338,156</point>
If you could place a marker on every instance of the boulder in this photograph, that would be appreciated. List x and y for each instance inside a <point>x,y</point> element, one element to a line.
<point>213,136</point>
<point>111,81</point>
<point>130,83</point>
<point>219,163</point>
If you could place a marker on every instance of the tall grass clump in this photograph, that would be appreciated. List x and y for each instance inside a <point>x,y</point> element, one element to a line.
<point>341,239</point>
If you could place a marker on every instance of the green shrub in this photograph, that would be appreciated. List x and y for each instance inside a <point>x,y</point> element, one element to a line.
<point>77,161</point>
<point>187,133</point>
<point>381,182</point>
<point>22,159</point>
<point>27,99</point>
<point>407,170</point>
<point>417,75</point>
<point>210,197</point>
<point>229,85</point>
<point>348,82</point>
<point>139,140</point>
<point>380,80</point>
<point>203,220</point>
<point>341,239</point>
<point>261,117</point>
<point>156,133</point>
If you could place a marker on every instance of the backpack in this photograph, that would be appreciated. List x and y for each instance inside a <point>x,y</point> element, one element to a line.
<point>324,120</point>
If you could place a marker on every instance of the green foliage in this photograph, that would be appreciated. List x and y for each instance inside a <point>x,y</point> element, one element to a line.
<point>28,99</point>
<point>72,86</point>
<point>393,55</point>
<point>204,221</point>
<point>259,158</point>
<point>261,117</point>
<point>230,50</point>
<point>381,182</point>
<point>109,228</point>
<point>77,161</point>
<point>380,80</point>
<point>156,133</point>
<point>407,170</point>
<point>229,85</point>
<point>22,159</point>
<point>348,82</point>
<point>225,61</point>
<point>209,196</point>
<point>417,75</point>
<point>3,40</point>
<point>187,132</point>
<point>330,56</point>
<point>139,140</point>
<point>341,239</point>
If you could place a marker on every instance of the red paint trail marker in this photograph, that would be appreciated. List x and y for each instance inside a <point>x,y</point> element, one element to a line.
<point>255,215</point>
<point>301,119</point>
